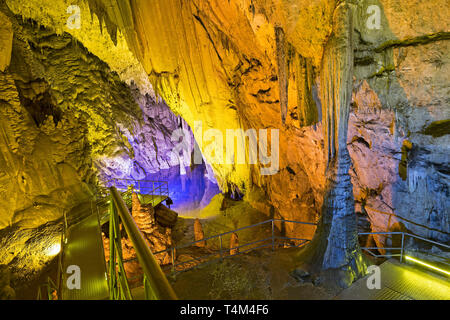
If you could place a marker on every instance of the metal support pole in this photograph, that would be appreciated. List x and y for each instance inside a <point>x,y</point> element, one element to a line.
<point>273,236</point>
<point>403,244</point>
<point>221,246</point>
<point>66,225</point>
<point>173,259</point>
<point>153,193</point>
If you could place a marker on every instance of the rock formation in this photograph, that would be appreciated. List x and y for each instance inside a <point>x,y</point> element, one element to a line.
<point>335,245</point>
<point>360,100</point>
<point>159,238</point>
<point>68,124</point>
<point>234,244</point>
<point>199,234</point>
<point>6,292</point>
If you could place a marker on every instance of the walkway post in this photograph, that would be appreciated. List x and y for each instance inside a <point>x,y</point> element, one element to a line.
<point>273,235</point>
<point>220,238</point>
<point>403,241</point>
<point>173,259</point>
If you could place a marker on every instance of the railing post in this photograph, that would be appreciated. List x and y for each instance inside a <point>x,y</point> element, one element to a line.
<point>273,235</point>
<point>153,193</point>
<point>66,225</point>
<point>401,252</point>
<point>112,256</point>
<point>173,259</point>
<point>221,246</point>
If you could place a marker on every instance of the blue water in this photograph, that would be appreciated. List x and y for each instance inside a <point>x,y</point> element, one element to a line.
<point>189,192</point>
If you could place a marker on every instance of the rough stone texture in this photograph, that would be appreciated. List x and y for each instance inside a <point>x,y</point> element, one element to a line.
<point>165,217</point>
<point>64,121</point>
<point>93,34</point>
<point>143,215</point>
<point>234,244</point>
<point>6,37</point>
<point>158,237</point>
<point>199,234</point>
<point>6,292</point>
<point>335,245</point>
<point>206,58</point>
<point>400,166</point>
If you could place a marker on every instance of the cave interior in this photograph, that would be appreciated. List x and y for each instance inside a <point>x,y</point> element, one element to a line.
<point>211,149</point>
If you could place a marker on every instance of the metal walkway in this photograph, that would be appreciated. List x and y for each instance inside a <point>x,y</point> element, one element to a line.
<point>400,282</point>
<point>84,249</point>
<point>153,199</point>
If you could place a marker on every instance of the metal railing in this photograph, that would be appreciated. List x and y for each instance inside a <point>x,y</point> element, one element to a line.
<point>222,252</point>
<point>53,290</point>
<point>393,217</point>
<point>157,191</point>
<point>399,251</point>
<point>50,288</point>
<point>159,188</point>
<point>156,284</point>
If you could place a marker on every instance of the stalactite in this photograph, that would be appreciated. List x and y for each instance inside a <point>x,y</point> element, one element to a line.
<point>97,7</point>
<point>307,108</point>
<point>283,73</point>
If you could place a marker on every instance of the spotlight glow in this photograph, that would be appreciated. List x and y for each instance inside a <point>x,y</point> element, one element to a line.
<point>427,265</point>
<point>54,250</point>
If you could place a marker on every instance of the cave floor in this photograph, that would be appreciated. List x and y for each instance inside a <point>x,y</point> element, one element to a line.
<point>258,275</point>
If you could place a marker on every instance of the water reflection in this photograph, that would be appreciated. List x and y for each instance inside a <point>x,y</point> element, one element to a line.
<point>189,192</point>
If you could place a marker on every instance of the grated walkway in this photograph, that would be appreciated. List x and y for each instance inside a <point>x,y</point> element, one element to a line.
<point>400,282</point>
<point>84,248</point>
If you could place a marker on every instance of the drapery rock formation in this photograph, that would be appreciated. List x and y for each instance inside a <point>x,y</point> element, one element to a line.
<point>258,64</point>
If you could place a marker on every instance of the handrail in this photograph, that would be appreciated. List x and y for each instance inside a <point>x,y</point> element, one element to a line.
<point>405,219</point>
<point>402,248</point>
<point>237,230</point>
<point>221,251</point>
<point>162,186</point>
<point>405,234</point>
<point>51,287</point>
<point>152,270</point>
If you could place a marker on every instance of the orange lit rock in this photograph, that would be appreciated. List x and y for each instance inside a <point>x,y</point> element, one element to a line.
<point>198,234</point>
<point>143,215</point>
<point>234,244</point>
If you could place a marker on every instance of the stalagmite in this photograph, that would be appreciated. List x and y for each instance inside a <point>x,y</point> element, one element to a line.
<point>234,244</point>
<point>143,215</point>
<point>198,234</point>
<point>335,245</point>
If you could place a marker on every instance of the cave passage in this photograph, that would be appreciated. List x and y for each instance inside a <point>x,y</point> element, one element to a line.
<point>211,149</point>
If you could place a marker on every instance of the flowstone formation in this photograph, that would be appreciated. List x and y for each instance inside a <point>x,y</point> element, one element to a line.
<point>68,124</point>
